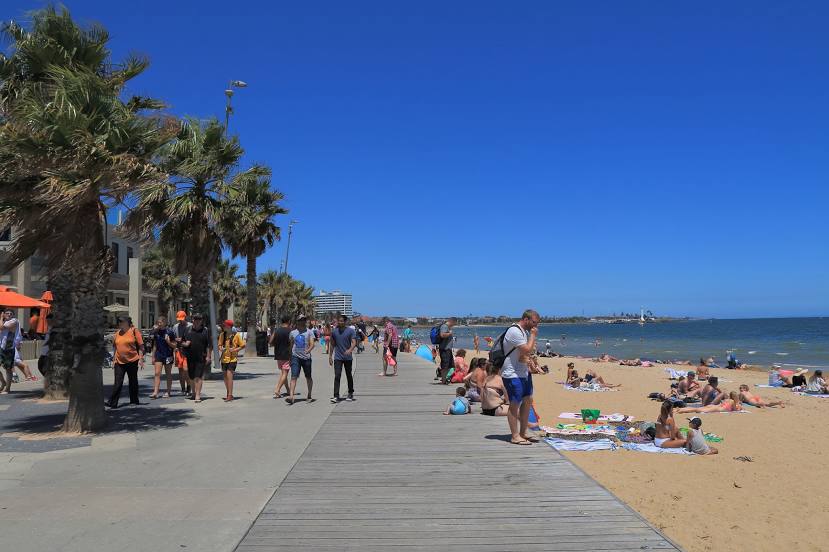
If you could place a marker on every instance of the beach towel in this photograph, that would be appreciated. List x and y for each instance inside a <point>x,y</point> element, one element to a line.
<point>650,447</point>
<point>675,374</point>
<point>563,444</point>
<point>768,386</point>
<point>818,395</point>
<point>588,389</point>
<point>605,418</point>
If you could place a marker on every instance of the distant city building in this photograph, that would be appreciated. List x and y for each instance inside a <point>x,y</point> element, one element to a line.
<point>332,302</point>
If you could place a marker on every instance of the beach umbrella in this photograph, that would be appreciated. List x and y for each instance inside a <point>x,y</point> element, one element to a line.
<point>44,312</point>
<point>425,353</point>
<point>13,299</point>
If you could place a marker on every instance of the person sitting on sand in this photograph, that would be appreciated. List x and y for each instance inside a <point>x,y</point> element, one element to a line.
<point>667,434</point>
<point>731,404</point>
<point>711,393</point>
<point>756,400</point>
<point>494,401</point>
<point>702,370</point>
<point>689,387</point>
<point>460,405</point>
<point>571,367</point>
<point>817,385</point>
<point>474,380</point>
<point>696,440</point>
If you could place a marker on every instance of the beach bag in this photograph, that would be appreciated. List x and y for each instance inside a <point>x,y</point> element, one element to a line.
<point>434,335</point>
<point>390,359</point>
<point>458,406</point>
<point>457,376</point>
<point>496,354</point>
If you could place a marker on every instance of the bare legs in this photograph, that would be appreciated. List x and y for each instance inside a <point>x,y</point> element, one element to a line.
<point>157,378</point>
<point>518,418</point>
<point>283,382</point>
<point>228,376</point>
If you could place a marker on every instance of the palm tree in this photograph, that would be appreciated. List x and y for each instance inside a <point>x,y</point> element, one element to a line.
<point>286,296</point>
<point>226,286</point>
<point>188,206</point>
<point>269,285</point>
<point>71,148</point>
<point>249,230</point>
<point>161,276</point>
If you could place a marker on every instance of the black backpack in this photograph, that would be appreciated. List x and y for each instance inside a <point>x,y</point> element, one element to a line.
<point>496,354</point>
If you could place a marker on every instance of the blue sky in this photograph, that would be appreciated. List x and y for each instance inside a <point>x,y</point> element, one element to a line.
<point>483,157</point>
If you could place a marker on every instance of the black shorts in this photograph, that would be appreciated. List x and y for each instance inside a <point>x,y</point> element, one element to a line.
<point>393,351</point>
<point>195,368</point>
<point>229,366</point>
<point>488,411</point>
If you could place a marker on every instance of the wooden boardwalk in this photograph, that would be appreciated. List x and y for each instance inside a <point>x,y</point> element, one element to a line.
<point>389,471</point>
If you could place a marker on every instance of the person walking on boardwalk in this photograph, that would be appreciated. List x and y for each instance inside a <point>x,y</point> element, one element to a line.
<point>518,345</point>
<point>392,344</point>
<point>179,331</point>
<point>230,343</point>
<point>281,341</point>
<point>302,343</point>
<point>196,345</point>
<point>343,343</point>
<point>447,359</point>
<point>164,343</point>
<point>129,355</point>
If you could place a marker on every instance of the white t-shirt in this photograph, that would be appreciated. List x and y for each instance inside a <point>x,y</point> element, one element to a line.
<point>512,368</point>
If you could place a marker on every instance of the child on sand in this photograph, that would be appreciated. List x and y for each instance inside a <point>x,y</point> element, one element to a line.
<point>696,440</point>
<point>460,405</point>
<point>667,434</point>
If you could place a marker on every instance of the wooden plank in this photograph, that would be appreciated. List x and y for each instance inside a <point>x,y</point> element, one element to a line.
<point>389,471</point>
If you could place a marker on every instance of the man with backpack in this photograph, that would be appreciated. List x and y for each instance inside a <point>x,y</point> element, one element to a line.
<point>512,351</point>
<point>442,337</point>
<point>180,330</point>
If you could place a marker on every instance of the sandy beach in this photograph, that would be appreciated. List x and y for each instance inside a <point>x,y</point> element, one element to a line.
<point>710,502</point>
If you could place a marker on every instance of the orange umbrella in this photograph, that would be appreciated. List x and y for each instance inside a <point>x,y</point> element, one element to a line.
<point>44,312</point>
<point>15,300</point>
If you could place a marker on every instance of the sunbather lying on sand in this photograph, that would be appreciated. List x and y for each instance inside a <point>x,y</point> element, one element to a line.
<point>667,434</point>
<point>731,404</point>
<point>606,358</point>
<point>591,377</point>
<point>631,362</point>
<point>756,400</point>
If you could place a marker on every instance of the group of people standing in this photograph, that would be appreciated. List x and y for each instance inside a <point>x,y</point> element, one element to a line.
<point>187,345</point>
<point>292,351</point>
<point>504,383</point>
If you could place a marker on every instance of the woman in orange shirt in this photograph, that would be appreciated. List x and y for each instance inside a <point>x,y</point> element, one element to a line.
<point>129,354</point>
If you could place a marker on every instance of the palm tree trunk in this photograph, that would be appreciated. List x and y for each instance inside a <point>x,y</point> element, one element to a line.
<point>56,371</point>
<point>198,295</point>
<point>86,385</point>
<point>250,315</point>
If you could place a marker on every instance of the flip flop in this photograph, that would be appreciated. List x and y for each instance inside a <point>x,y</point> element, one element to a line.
<point>522,442</point>
<point>198,400</point>
<point>531,439</point>
<point>309,401</point>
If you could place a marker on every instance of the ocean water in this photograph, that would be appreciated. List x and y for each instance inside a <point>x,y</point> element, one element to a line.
<point>762,341</point>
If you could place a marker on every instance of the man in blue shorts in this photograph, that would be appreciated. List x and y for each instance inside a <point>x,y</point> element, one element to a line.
<point>519,344</point>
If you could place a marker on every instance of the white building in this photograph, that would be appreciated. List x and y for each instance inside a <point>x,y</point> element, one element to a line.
<point>332,302</point>
<point>126,286</point>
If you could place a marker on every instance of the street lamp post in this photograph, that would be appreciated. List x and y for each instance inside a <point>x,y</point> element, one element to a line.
<point>211,301</point>
<point>288,248</point>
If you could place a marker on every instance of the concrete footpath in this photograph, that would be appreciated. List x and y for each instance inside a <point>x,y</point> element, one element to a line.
<point>169,475</point>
